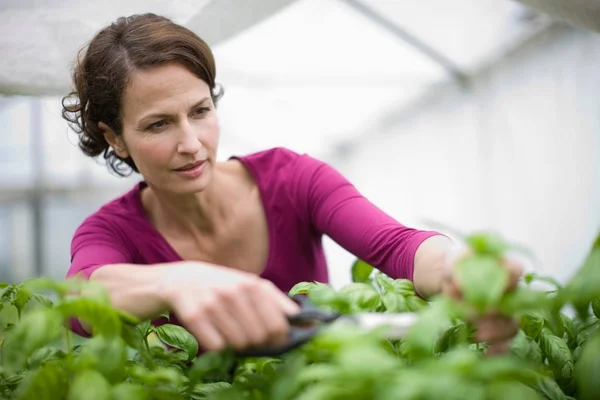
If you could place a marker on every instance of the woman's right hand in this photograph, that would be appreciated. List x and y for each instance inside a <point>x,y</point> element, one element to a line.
<point>225,307</point>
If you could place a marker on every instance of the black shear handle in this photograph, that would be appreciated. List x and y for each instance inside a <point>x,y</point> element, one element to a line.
<point>303,327</point>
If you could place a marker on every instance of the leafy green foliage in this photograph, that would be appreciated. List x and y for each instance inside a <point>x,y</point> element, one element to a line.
<point>555,355</point>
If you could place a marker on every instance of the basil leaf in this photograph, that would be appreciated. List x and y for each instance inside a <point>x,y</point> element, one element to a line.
<point>361,296</point>
<point>394,303</point>
<point>107,355</point>
<point>89,385</point>
<point>36,329</point>
<point>532,324</point>
<point>483,281</point>
<point>588,370</point>
<point>361,271</point>
<point>130,391</point>
<point>104,319</point>
<point>558,354</point>
<point>49,382</point>
<point>178,337</point>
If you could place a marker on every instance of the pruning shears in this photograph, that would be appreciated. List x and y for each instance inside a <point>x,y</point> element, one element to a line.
<point>310,320</point>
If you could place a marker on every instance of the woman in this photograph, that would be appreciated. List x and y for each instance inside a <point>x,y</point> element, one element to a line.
<point>217,244</point>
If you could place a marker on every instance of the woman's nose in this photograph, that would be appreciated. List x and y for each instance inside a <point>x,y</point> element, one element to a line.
<point>189,141</point>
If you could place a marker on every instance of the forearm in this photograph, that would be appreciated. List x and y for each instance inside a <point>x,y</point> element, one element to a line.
<point>429,264</point>
<point>135,289</point>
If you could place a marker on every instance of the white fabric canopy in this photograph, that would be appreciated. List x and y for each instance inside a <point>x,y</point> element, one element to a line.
<point>39,39</point>
<point>308,74</point>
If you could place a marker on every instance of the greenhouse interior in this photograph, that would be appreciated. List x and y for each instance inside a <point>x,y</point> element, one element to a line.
<point>470,117</point>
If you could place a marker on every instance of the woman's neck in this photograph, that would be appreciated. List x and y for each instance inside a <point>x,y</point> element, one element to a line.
<point>199,213</point>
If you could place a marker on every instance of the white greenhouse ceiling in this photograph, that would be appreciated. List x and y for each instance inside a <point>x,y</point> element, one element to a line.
<point>298,73</point>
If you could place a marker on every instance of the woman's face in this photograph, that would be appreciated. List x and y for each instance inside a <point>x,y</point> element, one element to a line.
<point>170,129</point>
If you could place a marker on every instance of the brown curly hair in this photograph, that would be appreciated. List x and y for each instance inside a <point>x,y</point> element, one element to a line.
<point>102,72</point>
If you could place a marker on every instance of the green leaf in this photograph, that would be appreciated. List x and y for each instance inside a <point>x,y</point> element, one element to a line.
<point>483,281</point>
<point>394,303</point>
<point>324,391</point>
<point>361,296</point>
<point>323,295</point>
<point>317,372</point>
<point>212,366</point>
<point>526,349</point>
<point>89,385</point>
<point>21,299</point>
<point>596,307</point>
<point>403,287</point>
<point>49,382</point>
<point>67,287</point>
<point>145,328</point>
<point>7,294</point>
<point>558,354</point>
<point>415,303</point>
<point>104,319</point>
<point>107,355</point>
<point>361,271</point>
<point>532,324</point>
<point>36,328</point>
<point>384,282</point>
<point>206,389</point>
<point>487,243</point>
<point>587,371</point>
<point>548,388</point>
<point>44,355</point>
<point>455,335</point>
<point>365,359</point>
<point>130,391</point>
<point>167,393</point>
<point>178,337</point>
<point>41,299</point>
<point>570,330</point>
<point>504,367</point>
<point>584,286</point>
<point>533,277</point>
<point>154,377</point>
<point>304,288</point>
<point>524,300</point>
<point>132,336</point>
<point>421,338</point>
<point>510,390</point>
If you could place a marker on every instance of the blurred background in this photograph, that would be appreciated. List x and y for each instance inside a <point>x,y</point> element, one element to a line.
<point>470,114</point>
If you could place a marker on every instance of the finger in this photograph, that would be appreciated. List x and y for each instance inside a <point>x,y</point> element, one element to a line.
<point>499,348</point>
<point>515,270</point>
<point>199,325</point>
<point>248,318</point>
<point>207,335</point>
<point>289,306</point>
<point>272,311</point>
<point>450,289</point>
<point>226,320</point>
<point>496,328</point>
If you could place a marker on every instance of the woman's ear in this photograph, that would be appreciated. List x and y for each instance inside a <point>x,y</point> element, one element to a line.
<point>116,142</point>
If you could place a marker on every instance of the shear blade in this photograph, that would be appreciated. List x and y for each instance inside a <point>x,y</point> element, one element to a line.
<point>395,326</point>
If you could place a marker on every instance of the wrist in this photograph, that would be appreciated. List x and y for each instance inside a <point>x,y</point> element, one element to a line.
<point>431,265</point>
<point>168,284</point>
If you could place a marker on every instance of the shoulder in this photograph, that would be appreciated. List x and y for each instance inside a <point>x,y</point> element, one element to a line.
<point>113,217</point>
<point>279,161</point>
<point>273,157</point>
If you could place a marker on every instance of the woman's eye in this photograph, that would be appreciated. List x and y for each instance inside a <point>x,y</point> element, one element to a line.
<point>157,125</point>
<point>202,110</point>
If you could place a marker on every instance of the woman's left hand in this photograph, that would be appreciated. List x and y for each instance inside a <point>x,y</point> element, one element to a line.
<point>493,328</point>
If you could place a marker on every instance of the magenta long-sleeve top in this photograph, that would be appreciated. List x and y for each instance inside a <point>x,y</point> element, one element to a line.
<point>303,199</point>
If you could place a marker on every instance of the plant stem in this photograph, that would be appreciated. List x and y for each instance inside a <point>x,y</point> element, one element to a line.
<point>68,340</point>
